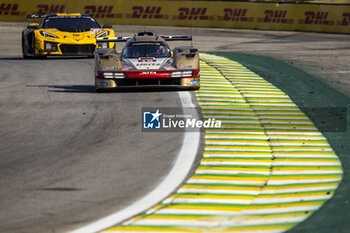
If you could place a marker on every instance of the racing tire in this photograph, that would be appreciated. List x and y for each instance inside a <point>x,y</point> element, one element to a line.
<point>24,53</point>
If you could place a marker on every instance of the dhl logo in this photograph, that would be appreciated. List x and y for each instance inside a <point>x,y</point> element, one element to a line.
<point>43,9</point>
<point>10,9</point>
<point>346,19</point>
<point>101,11</point>
<point>275,16</point>
<point>148,12</point>
<point>194,13</point>
<point>236,15</point>
<point>317,17</point>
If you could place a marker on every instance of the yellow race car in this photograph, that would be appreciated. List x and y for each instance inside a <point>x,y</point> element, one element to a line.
<point>64,34</point>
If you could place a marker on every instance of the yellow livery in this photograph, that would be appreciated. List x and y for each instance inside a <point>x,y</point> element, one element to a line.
<point>64,35</point>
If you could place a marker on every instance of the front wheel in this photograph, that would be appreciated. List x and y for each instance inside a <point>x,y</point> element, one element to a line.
<point>24,49</point>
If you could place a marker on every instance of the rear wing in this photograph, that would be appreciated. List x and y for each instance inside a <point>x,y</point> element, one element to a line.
<point>113,39</point>
<point>124,39</point>
<point>175,38</point>
<point>35,16</point>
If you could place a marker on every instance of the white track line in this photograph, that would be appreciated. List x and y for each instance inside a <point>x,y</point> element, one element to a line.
<point>170,183</point>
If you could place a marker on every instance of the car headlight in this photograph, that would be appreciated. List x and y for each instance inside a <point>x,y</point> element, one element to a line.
<point>102,45</point>
<point>187,73</point>
<point>179,74</point>
<point>50,46</point>
<point>46,34</point>
<point>113,75</point>
<point>103,34</point>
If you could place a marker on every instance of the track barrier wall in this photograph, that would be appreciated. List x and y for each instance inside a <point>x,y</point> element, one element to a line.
<point>249,15</point>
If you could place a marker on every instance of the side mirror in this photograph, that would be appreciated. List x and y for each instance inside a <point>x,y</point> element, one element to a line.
<point>107,26</point>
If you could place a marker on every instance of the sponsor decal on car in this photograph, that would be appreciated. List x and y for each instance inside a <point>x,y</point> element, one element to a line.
<point>147,63</point>
<point>185,67</point>
<point>126,69</point>
<point>110,68</point>
<point>105,84</point>
<point>94,31</point>
<point>148,72</point>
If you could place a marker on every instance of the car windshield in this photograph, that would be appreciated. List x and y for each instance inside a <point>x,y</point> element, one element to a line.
<point>146,49</point>
<point>71,24</point>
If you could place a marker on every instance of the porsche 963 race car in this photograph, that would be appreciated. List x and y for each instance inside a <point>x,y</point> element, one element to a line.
<point>147,61</point>
<point>64,34</point>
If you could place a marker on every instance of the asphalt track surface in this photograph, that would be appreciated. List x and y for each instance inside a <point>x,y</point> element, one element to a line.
<point>70,156</point>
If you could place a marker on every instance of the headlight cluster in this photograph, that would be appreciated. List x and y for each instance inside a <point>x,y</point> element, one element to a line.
<point>46,34</point>
<point>179,74</point>
<point>50,46</point>
<point>102,45</point>
<point>113,75</point>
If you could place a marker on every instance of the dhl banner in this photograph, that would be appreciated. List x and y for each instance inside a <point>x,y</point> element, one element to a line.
<point>250,15</point>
